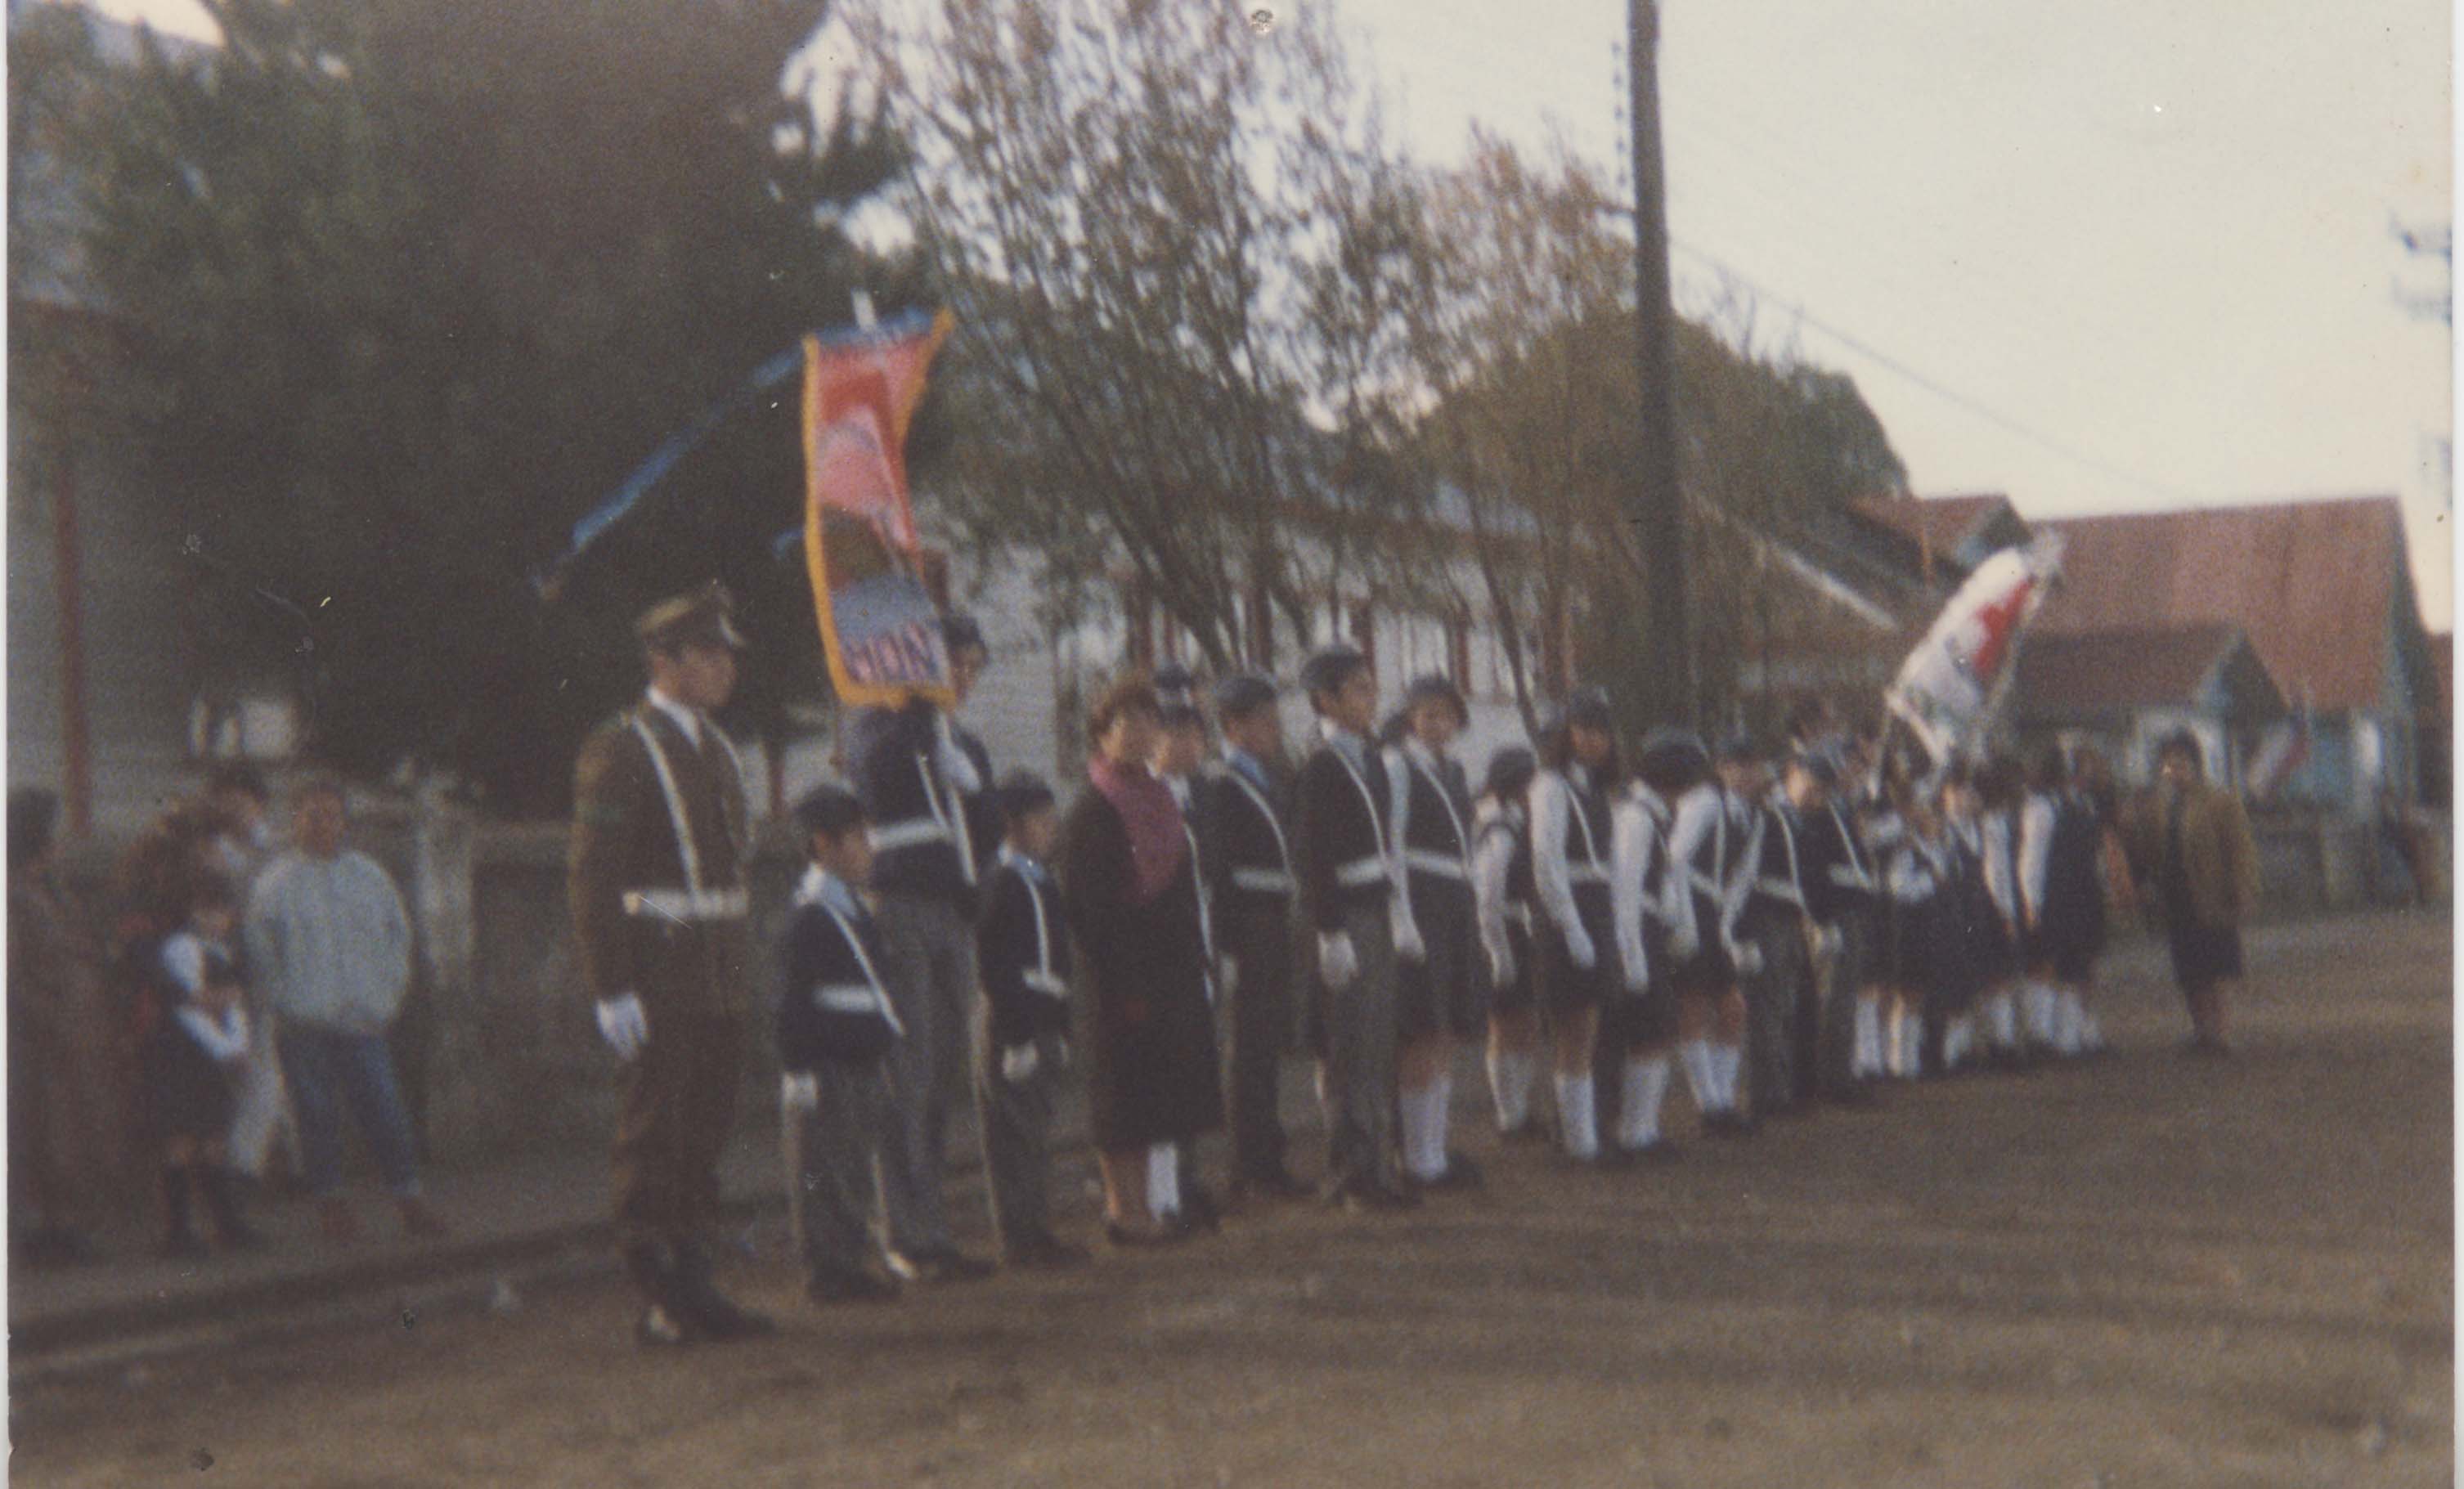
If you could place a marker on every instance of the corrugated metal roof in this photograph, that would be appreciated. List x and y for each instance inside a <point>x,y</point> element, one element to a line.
<point>2313,584</point>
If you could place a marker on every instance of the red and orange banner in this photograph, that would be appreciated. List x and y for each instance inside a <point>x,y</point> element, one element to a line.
<point>881,631</point>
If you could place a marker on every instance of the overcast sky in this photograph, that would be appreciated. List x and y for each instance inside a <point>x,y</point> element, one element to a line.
<point>2156,235</point>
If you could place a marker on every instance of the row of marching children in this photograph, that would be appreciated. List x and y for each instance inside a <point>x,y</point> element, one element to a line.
<point>1774,932</point>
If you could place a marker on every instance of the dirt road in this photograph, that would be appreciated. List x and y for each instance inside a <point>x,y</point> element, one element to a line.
<point>2145,1271</point>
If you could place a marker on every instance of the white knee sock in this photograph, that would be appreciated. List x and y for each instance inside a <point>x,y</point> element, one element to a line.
<point>1163,1181</point>
<point>1576,1117</point>
<point>2002,1018</point>
<point>2068,1015</point>
<point>1956,1040</point>
<point>2039,1003</point>
<point>1867,1059</point>
<point>1646,1082</point>
<point>1695,1055</point>
<point>1907,1039</point>
<point>1509,1085</point>
<point>1727,1061</point>
<point>1424,1133</point>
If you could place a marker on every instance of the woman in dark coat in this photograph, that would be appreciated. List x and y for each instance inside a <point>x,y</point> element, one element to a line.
<point>1129,888</point>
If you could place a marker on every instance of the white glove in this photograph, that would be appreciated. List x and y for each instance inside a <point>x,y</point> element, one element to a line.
<point>953,764</point>
<point>1580,951</point>
<point>1636,981</point>
<point>1748,959</point>
<point>1684,946</point>
<point>800,1090</point>
<point>1828,941</point>
<point>623,1025</point>
<point>1338,963</point>
<point>1228,975</point>
<point>1408,944</point>
<point>1019,1063</point>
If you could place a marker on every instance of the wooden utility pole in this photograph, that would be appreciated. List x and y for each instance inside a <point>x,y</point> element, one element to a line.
<point>1658,514</point>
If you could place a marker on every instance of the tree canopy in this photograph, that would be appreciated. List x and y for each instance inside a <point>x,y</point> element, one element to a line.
<point>403,287</point>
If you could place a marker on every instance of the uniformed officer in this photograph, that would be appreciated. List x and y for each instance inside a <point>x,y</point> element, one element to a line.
<point>656,878</point>
<point>922,780</point>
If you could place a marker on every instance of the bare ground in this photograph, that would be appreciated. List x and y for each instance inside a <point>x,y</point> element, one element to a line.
<point>2145,1271</point>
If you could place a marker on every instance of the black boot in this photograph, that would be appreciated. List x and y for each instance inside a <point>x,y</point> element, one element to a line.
<point>179,1238</point>
<point>664,1322</point>
<point>222,1203</point>
<point>706,1306</point>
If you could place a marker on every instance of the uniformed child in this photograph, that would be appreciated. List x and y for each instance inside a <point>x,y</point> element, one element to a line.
<point>1248,868</point>
<point>1023,955</point>
<point>1884,822</point>
<point>1843,887</point>
<point>1572,839</point>
<point>1990,823</point>
<point>1779,992</point>
<point>2063,890</point>
<point>837,1028</point>
<point>1439,986</point>
<point>1503,900</point>
<point>192,1058</point>
<point>1647,897</point>
<point>1925,874</point>
<point>1347,892</point>
<point>1708,845</point>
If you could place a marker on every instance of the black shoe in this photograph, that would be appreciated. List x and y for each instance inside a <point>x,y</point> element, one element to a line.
<point>1044,1251</point>
<point>659,1330</point>
<point>1359,1195</point>
<point>939,1266</point>
<point>1199,1210</point>
<point>698,1301</point>
<point>830,1286</point>
<point>1129,1238</point>
<point>1275,1183</point>
<point>1531,1129</point>
<point>1461,1173</point>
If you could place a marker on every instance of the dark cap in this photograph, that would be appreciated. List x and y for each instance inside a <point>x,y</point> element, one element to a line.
<point>705,614</point>
<point>1329,669</point>
<point>1434,687</point>
<point>1738,748</point>
<point>829,809</point>
<point>2183,742</point>
<point>1241,695</point>
<point>1587,707</point>
<point>1509,771</point>
<point>960,633</point>
<point>1669,754</point>
<point>1019,793</point>
<point>1176,684</point>
<point>1178,712</point>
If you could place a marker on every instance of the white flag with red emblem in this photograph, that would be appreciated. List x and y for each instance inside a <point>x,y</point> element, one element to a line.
<point>1950,686</point>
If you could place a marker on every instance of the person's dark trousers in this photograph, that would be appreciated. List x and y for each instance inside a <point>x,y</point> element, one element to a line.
<point>928,954</point>
<point>1360,1035</point>
<point>675,1104</point>
<point>830,1153</point>
<point>1773,995</point>
<point>329,1071</point>
<point>1260,944</point>
<point>1017,1117</point>
<point>1849,970</point>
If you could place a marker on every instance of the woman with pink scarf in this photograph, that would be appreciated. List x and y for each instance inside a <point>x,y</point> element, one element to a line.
<point>1129,888</point>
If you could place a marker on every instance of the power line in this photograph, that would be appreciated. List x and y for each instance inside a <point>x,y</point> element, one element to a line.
<point>1982,410</point>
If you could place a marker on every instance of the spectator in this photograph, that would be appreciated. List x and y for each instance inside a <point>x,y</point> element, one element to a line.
<point>192,1061</point>
<point>2191,842</point>
<point>47,966</point>
<point>330,945</point>
<point>242,842</point>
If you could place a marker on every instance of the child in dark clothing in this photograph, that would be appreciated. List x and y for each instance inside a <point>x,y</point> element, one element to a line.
<point>192,1055</point>
<point>836,1028</point>
<point>1022,956</point>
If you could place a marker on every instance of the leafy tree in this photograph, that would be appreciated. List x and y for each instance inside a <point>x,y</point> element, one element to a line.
<point>408,285</point>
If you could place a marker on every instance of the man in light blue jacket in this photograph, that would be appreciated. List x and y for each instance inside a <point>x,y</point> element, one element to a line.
<point>329,951</point>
